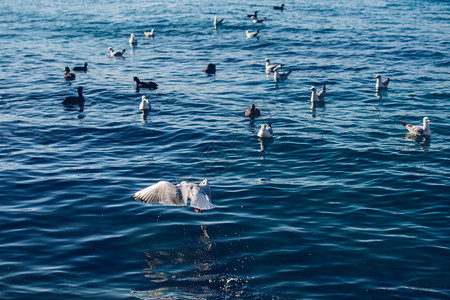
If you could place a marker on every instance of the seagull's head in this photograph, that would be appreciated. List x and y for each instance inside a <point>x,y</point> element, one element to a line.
<point>144,98</point>
<point>110,49</point>
<point>377,76</point>
<point>267,60</point>
<point>312,89</point>
<point>426,119</point>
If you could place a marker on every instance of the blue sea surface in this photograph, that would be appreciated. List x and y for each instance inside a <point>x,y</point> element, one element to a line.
<point>341,203</point>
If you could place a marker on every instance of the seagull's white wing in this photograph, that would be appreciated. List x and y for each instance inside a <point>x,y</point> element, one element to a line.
<point>415,129</point>
<point>162,192</point>
<point>321,94</point>
<point>204,186</point>
<point>199,199</point>
<point>185,188</point>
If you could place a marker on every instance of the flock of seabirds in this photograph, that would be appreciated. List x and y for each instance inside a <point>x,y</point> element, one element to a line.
<point>199,195</point>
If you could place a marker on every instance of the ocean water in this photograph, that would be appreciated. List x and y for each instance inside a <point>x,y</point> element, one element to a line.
<point>340,204</point>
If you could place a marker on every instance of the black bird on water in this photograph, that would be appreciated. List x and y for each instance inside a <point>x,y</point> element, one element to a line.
<point>254,15</point>
<point>68,75</point>
<point>252,111</point>
<point>84,69</point>
<point>73,100</point>
<point>145,84</point>
<point>210,69</point>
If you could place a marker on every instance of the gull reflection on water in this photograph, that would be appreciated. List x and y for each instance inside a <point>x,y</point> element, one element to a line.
<point>264,142</point>
<point>180,271</point>
<point>424,141</point>
<point>317,105</point>
<point>381,93</point>
<point>317,109</point>
<point>144,115</point>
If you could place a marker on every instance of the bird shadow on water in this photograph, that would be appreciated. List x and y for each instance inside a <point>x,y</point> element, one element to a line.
<point>423,141</point>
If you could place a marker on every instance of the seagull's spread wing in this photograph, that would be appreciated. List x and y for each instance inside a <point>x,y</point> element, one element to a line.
<point>162,192</point>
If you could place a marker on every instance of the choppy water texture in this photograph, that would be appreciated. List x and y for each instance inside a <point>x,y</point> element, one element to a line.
<point>340,204</point>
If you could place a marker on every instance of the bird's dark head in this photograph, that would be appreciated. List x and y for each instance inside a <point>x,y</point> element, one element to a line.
<point>67,69</point>
<point>80,89</point>
<point>136,79</point>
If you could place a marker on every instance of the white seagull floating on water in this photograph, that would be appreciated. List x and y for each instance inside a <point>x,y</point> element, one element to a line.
<point>280,75</point>
<point>145,105</point>
<point>149,34</point>
<point>317,96</point>
<point>265,131</point>
<point>269,67</point>
<point>217,22</point>
<point>252,34</point>
<point>133,40</point>
<point>417,129</point>
<point>116,53</point>
<point>166,193</point>
<point>381,84</point>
